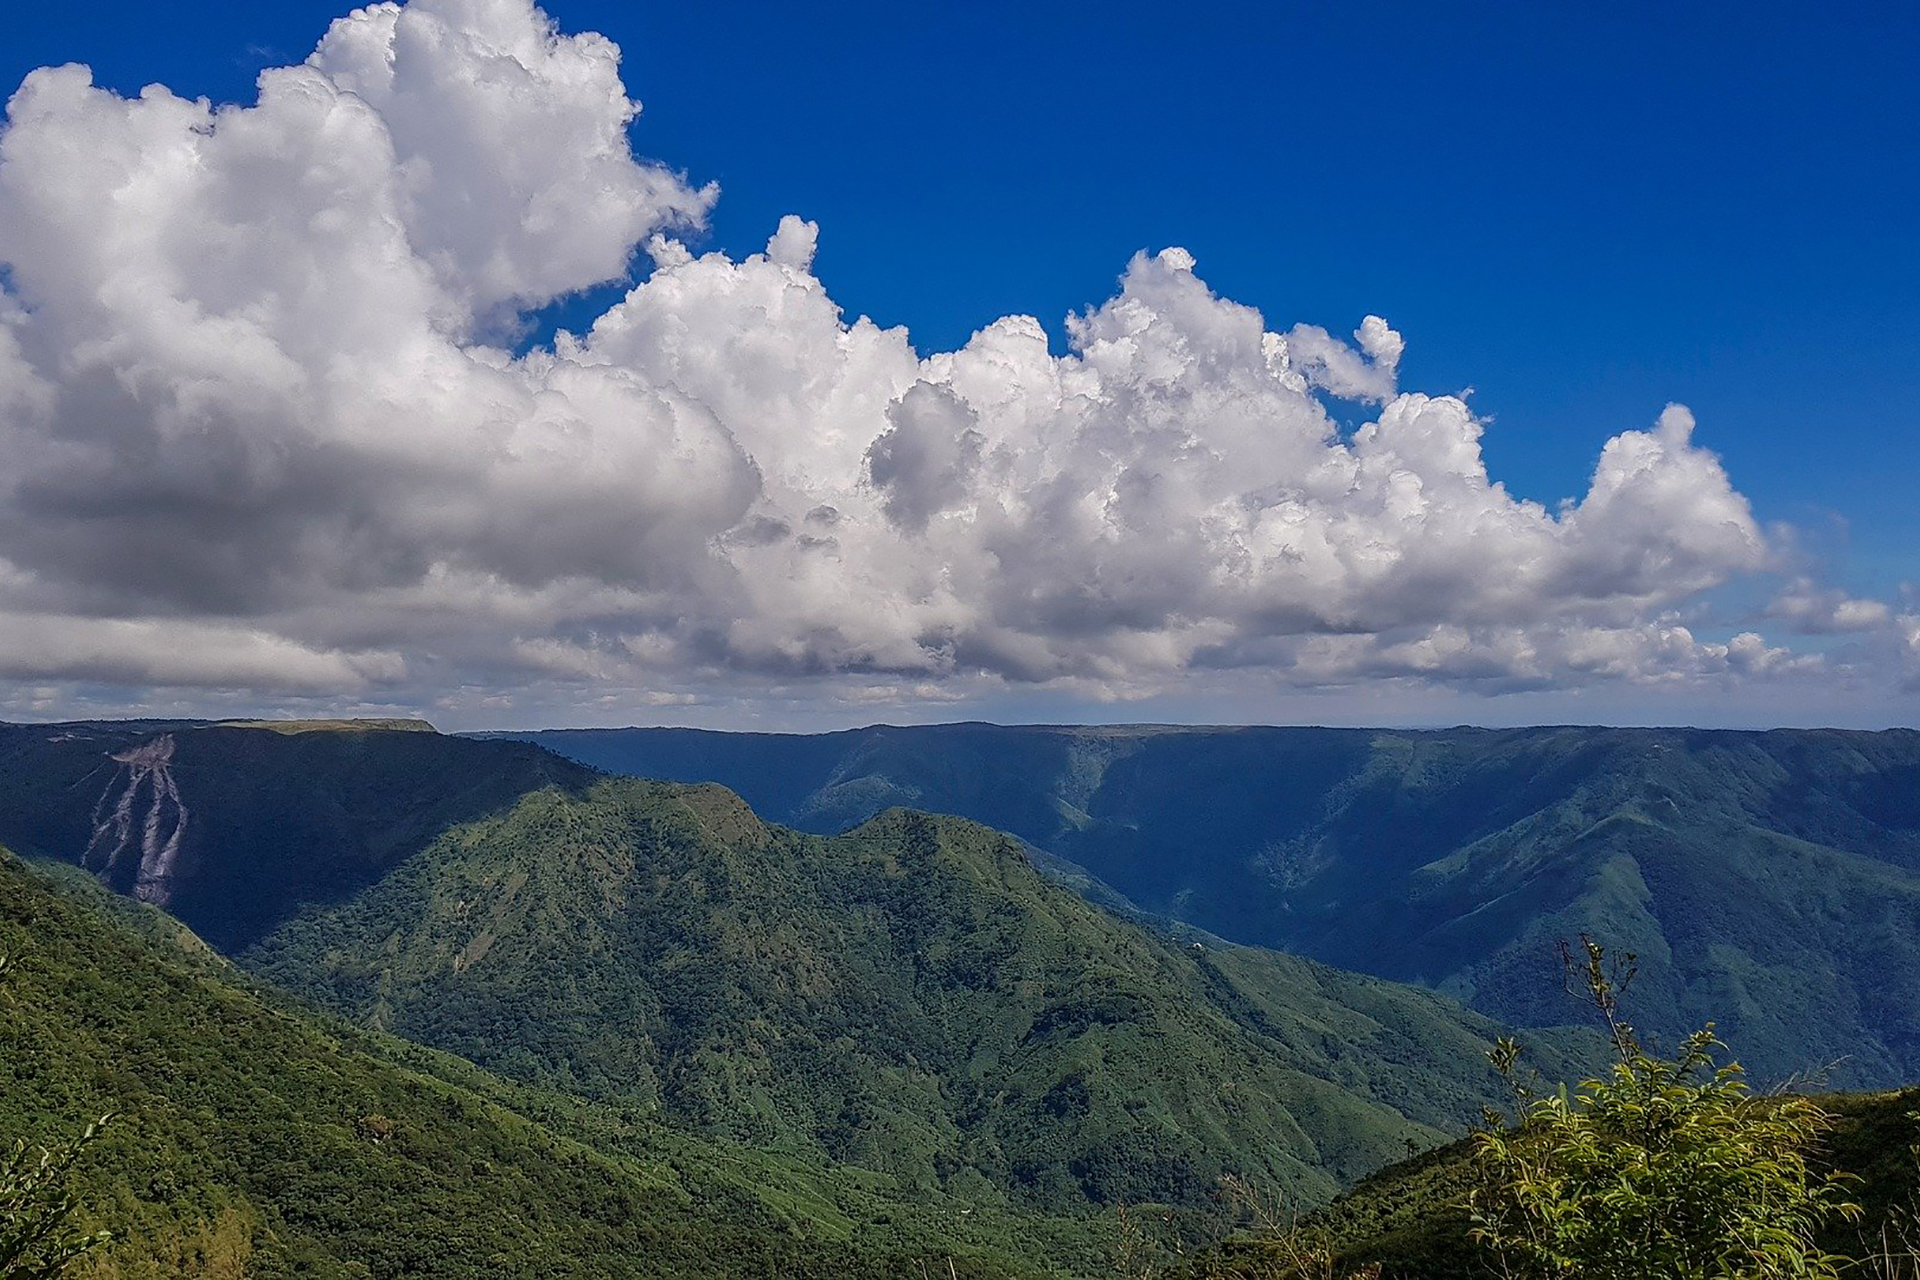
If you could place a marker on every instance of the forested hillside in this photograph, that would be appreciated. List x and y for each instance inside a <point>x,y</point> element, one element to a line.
<point>1770,881</point>
<point>900,1035</point>
<point>910,997</point>
<point>250,1140</point>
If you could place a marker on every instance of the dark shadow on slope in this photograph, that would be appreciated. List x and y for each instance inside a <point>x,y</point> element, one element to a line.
<point>233,830</point>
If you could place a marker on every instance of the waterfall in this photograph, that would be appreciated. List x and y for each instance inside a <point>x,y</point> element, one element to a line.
<point>140,816</point>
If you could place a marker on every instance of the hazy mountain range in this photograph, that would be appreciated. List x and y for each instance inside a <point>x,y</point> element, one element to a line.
<point>1770,881</point>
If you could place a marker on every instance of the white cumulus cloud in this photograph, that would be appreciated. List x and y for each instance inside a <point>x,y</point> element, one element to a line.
<point>261,434</point>
<point>1813,609</point>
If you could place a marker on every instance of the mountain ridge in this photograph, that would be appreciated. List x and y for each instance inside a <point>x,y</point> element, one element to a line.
<point>1770,879</point>
<point>250,1138</point>
<point>953,965</point>
<point>912,999</point>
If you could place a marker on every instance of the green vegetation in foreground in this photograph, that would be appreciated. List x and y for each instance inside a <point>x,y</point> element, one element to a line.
<point>1771,880</point>
<point>251,1140</point>
<point>1659,1169</point>
<point>38,1239</point>
<point>912,999</point>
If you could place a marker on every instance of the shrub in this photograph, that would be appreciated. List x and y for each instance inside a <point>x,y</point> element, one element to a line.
<point>1663,1168</point>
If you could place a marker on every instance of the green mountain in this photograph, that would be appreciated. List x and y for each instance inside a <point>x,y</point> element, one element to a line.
<point>911,997</point>
<point>1770,881</point>
<point>251,1140</point>
<point>910,1006</point>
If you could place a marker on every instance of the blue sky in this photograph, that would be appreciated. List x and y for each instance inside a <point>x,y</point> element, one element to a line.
<point>1582,213</point>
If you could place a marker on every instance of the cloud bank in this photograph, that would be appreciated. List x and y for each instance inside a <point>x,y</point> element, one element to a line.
<point>266,437</point>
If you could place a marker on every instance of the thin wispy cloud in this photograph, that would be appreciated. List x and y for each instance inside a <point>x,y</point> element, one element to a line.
<point>266,437</point>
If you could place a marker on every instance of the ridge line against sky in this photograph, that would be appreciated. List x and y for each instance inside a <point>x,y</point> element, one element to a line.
<point>291,428</point>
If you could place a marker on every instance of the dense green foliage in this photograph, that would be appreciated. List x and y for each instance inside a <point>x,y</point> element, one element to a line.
<point>251,1140</point>
<point>911,998</point>
<point>708,1045</point>
<point>884,1044</point>
<point>1412,1219</point>
<point>1771,880</point>
<point>1658,1169</point>
<point>1661,1169</point>
<point>38,1239</point>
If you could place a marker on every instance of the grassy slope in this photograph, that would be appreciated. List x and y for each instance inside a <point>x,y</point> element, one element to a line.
<point>253,1140</point>
<point>911,998</point>
<point>1769,880</point>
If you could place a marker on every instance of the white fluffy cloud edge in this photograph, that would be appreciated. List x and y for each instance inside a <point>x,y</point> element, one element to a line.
<point>267,445</point>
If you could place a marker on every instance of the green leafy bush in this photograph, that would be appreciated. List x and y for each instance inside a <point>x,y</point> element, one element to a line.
<point>1667,1168</point>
